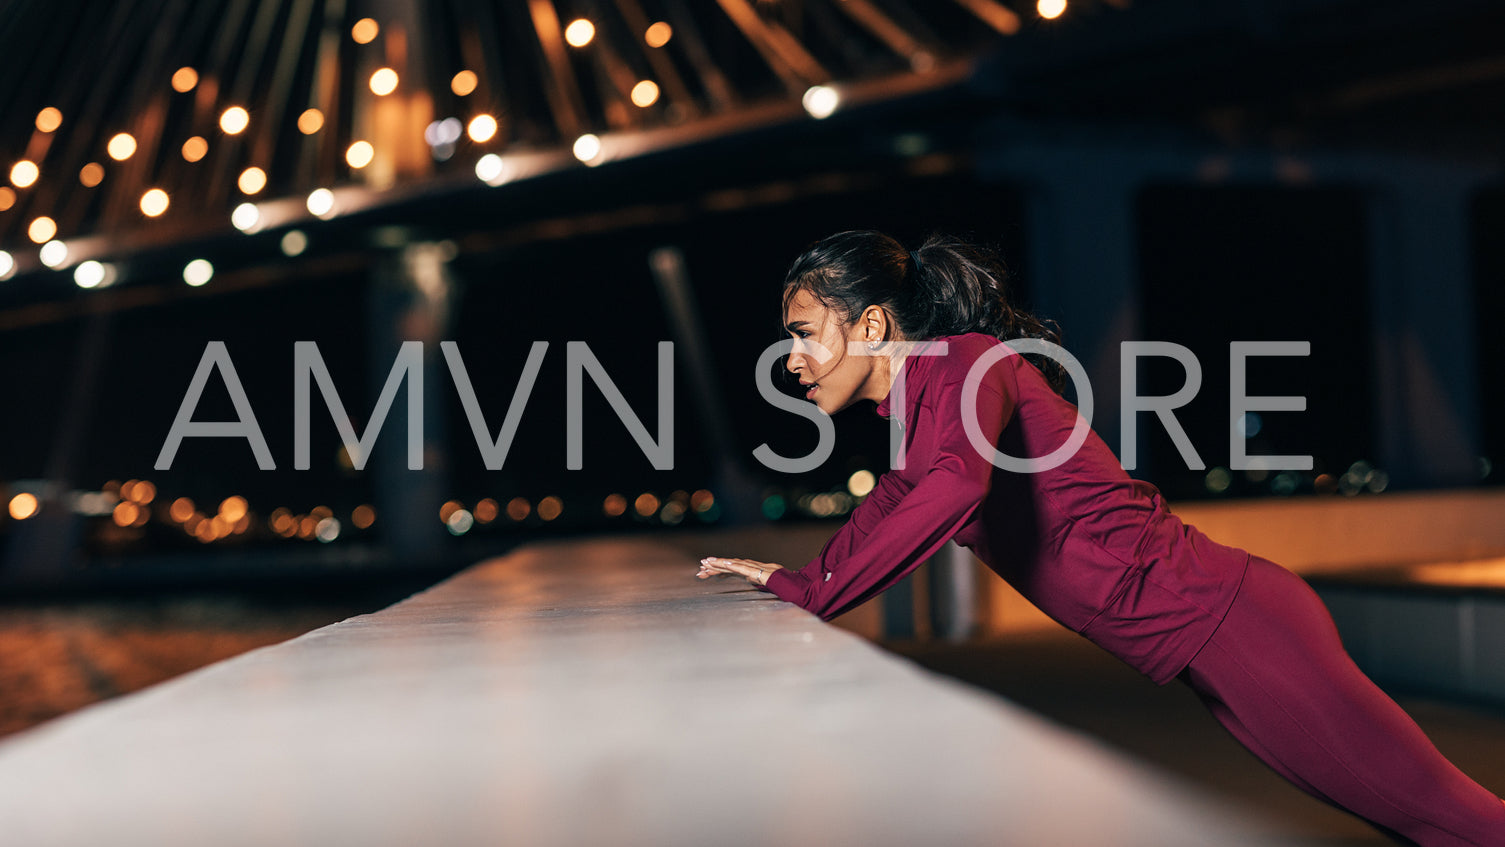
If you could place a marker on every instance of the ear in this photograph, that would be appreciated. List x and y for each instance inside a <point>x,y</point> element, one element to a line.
<point>875,324</point>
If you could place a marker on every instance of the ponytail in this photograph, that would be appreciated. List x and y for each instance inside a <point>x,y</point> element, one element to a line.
<point>945,287</point>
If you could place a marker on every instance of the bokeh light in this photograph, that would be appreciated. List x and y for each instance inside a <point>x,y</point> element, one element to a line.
<point>658,34</point>
<point>383,82</point>
<point>49,119</point>
<point>246,217</point>
<point>320,202</point>
<point>1050,9</point>
<point>360,154</point>
<point>311,121</point>
<point>195,149</point>
<point>482,129</point>
<point>645,93</point>
<point>821,101</point>
<point>184,80</point>
<point>91,174</point>
<point>41,230</point>
<point>198,272</point>
<point>53,254</point>
<point>121,147</point>
<point>234,120</point>
<point>24,173</point>
<point>463,83</point>
<point>579,33</point>
<point>294,242</point>
<point>365,31</point>
<point>24,505</point>
<point>154,202</point>
<point>252,180</point>
<point>587,148</point>
<point>89,274</point>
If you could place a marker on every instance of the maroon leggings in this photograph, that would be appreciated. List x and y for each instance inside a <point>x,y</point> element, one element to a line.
<point>1277,677</point>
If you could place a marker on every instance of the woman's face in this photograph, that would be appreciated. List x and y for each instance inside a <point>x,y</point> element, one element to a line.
<point>834,379</point>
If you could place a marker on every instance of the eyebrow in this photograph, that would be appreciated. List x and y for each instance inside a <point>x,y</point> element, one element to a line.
<point>796,324</point>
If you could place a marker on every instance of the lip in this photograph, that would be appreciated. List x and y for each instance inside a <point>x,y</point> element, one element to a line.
<point>810,388</point>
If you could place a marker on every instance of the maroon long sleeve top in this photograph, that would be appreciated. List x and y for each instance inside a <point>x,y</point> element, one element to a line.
<point>1092,547</point>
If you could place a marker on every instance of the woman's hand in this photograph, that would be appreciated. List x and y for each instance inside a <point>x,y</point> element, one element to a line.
<point>756,573</point>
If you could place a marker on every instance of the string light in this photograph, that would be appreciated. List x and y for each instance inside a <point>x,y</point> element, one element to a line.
<point>820,101</point>
<point>195,149</point>
<point>91,174</point>
<point>360,154</point>
<point>7,197</point>
<point>587,148</point>
<point>383,82</point>
<point>198,272</point>
<point>234,120</point>
<point>645,93</point>
<point>294,242</point>
<point>252,180</point>
<point>24,173</point>
<point>24,505</point>
<point>491,170</point>
<point>579,33</point>
<point>7,264</point>
<point>482,129</point>
<point>121,147</point>
<point>311,121</point>
<point>154,202</point>
<point>320,202</point>
<point>463,83</point>
<point>49,119</point>
<point>364,31</point>
<point>246,217</point>
<point>658,34</point>
<point>41,230</point>
<point>53,254</point>
<point>1050,9</point>
<point>89,274</point>
<point>184,80</point>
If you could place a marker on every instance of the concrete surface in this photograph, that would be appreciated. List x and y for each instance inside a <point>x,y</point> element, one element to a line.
<point>582,693</point>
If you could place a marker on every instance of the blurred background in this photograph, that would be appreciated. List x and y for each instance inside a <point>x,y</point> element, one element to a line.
<point>364,173</point>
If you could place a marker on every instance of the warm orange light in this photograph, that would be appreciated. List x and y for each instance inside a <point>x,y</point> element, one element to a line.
<point>486,510</point>
<point>550,508</point>
<point>7,197</point>
<point>234,120</point>
<point>518,508</point>
<point>645,93</point>
<point>144,492</point>
<point>702,500</point>
<point>234,508</point>
<point>482,128</point>
<point>24,173</point>
<point>311,121</point>
<point>125,513</point>
<point>121,147</point>
<point>1050,9</point>
<point>580,32</point>
<point>614,506</point>
<point>184,80</point>
<point>658,35</point>
<point>252,180</point>
<point>646,504</point>
<point>383,82</point>
<point>363,516</point>
<point>49,119</point>
<point>360,154</point>
<point>42,229</point>
<point>23,505</point>
<point>365,31</point>
<point>463,83</point>
<point>181,509</point>
<point>449,508</point>
<point>154,202</point>
<point>91,174</point>
<point>195,149</point>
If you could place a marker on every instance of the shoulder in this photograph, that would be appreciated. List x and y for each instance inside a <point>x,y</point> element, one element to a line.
<point>966,353</point>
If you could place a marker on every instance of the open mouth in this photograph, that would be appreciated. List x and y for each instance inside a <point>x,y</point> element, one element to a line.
<point>810,392</point>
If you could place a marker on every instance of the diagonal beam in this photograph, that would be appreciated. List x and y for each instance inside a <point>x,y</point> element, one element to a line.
<point>782,51</point>
<point>564,94</point>
<point>994,14</point>
<point>882,27</point>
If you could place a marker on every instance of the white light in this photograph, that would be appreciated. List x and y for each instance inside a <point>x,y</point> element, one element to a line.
<point>321,202</point>
<point>198,272</point>
<point>327,530</point>
<point>294,242</point>
<point>1051,9</point>
<point>460,521</point>
<point>54,253</point>
<point>7,264</point>
<point>821,100</point>
<point>246,217</point>
<point>491,169</point>
<point>89,274</point>
<point>587,148</point>
<point>447,131</point>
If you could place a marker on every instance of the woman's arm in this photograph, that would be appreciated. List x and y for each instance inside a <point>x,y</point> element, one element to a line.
<point>888,541</point>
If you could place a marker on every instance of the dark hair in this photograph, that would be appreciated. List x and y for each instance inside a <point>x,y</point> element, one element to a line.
<point>945,287</point>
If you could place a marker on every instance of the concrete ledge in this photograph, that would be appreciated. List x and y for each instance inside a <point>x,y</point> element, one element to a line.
<point>572,694</point>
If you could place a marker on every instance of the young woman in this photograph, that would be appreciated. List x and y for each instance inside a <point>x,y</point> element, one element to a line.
<point>1095,549</point>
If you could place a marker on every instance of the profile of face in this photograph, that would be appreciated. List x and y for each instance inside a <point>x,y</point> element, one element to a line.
<point>833,378</point>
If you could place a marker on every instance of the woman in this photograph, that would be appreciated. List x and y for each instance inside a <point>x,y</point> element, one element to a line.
<point>1095,549</point>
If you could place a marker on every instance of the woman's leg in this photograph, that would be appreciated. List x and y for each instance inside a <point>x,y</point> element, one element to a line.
<point>1289,692</point>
